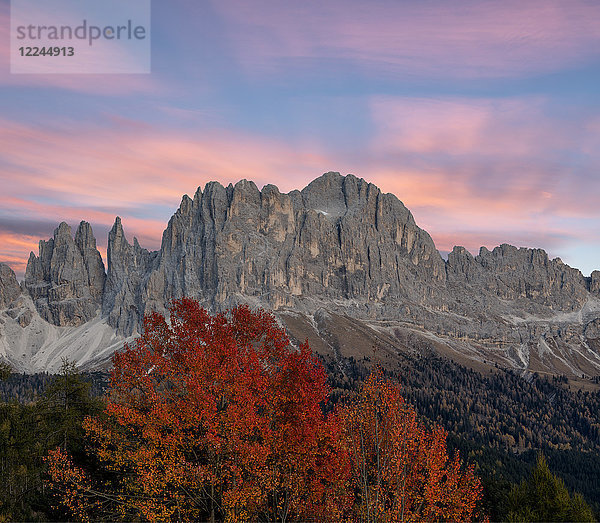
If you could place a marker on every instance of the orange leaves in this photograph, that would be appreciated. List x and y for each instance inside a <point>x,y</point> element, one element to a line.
<point>401,470</point>
<point>213,417</point>
<point>73,484</point>
<point>218,418</point>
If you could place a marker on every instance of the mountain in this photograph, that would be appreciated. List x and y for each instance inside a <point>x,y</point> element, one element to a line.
<point>340,263</point>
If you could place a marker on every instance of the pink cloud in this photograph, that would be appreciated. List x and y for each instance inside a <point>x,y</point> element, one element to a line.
<point>460,126</point>
<point>117,167</point>
<point>485,172</point>
<point>75,173</point>
<point>507,155</point>
<point>15,249</point>
<point>462,40</point>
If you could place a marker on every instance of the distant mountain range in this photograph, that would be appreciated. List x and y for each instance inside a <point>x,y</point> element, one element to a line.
<point>340,263</point>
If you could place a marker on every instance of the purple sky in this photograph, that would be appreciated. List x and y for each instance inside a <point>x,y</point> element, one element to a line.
<point>483,117</point>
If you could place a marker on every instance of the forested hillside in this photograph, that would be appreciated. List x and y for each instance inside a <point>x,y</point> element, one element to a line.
<point>39,413</point>
<point>499,421</point>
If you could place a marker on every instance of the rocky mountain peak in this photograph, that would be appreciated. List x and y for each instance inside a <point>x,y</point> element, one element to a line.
<point>116,240</point>
<point>84,237</point>
<point>461,266</point>
<point>326,195</point>
<point>127,265</point>
<point>9,286</point>
<point>340,246</point>
<point>336,239</point>
<point>62,234</point>
<point>66,280</point>
<point>594,283</point>
<point>186,206</point>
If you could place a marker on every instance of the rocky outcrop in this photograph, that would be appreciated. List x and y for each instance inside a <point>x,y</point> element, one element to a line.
<point>526,276</point>
<point>92,261</point>
<point>128,265</point>
<point>338,240</point>
<point>536,312</point>
<point>66,279</point>
<point>9,286</point>
<point>339,245</point>
<point>594,283</point>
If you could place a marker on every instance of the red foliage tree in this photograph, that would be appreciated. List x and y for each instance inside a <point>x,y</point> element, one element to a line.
<point>401,470</point>
<point>211,417</point>
<point>218,418</point>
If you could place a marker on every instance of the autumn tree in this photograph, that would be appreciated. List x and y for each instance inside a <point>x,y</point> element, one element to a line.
<point>401,470</point>
<point>219,418</point>
<point>210,417</point>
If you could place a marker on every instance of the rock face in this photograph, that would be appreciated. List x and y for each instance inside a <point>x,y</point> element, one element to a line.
<point>9,286</point>
<point>339,245</point>
<point>66,280</point>
<point>521,274</point>
<point>127,265</point>
<point>340,239</point>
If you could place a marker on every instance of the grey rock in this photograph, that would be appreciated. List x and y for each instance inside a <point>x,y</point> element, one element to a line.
<point>127,265</point>
<point>528,274</point>
<point>9,286</point>
<point>523,275</point>
<point>594,283</point>
<point>67,278</point>
<point>592,329</point>
<point>342,244</point>
<point>24,319</point>
<point>342,247</point>
<point>94,266</point>
<point>340,239</point>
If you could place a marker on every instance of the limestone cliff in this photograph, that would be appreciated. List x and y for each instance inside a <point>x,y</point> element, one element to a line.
<point>9,286</point>
<point>339,245</point>
<point>66,279</point>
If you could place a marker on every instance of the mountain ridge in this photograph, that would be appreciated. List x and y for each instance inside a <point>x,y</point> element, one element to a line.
<point>341,245</point>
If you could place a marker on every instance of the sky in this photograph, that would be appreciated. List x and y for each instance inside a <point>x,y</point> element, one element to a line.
<point>482,116</point>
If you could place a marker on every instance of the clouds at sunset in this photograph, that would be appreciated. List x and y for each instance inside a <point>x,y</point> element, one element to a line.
<point>132,170</point>
<point>473,172</point>
<point>14,247</point>
<point>436,38</point>
<point>505,152</point>
<point>482,117</point>
<point>479,170</point>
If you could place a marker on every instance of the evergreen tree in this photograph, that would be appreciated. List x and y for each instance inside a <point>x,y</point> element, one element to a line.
<point>65,403</point>
<point>544,497</point>
<point>5,371</point>
<point>28,432</point>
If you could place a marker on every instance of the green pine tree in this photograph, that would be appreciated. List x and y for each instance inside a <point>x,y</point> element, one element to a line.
<point>65,403</point>
<point>5,371</point>
<point>28,432</point>
<point>544,497</point>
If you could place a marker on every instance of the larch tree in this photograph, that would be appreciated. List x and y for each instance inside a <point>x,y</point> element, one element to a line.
<point>544,497</point>
<point>401,470</point>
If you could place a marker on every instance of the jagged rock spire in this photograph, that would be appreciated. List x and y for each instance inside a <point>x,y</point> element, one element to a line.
<point>66,280</point>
